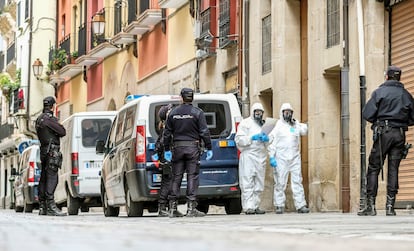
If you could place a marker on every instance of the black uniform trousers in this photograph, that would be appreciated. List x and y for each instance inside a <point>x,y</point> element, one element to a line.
<point>391,144</point>
<point>165,188</point>
<point>185,159</point>
<point>48,179</point>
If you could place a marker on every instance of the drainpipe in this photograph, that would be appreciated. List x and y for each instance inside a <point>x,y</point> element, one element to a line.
<point>246,90</point>
<point>345,171</point>
<point>29,67</point>
<point>362,89</point>
<point>240,53</point>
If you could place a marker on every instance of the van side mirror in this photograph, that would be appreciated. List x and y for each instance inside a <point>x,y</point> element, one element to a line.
<point>100,147</point>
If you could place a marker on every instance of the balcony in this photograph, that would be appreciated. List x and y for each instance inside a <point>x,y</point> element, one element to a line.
<point>103,50</point>
<point>174,4</point>
<point>145,22</point>
<point>123,38</point>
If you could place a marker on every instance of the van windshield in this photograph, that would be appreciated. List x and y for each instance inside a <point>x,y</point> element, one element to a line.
<point>94,130</point>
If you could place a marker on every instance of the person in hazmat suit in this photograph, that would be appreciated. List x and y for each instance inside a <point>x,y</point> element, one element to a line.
<point>252,144</point>
<point>285,158</point>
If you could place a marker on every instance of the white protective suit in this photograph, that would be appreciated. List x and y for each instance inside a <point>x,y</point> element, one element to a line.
<point>252,163</point>
<point>284,146</point>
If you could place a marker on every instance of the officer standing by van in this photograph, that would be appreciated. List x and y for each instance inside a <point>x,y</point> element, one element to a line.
<point>390,110</point>
<point>49,131</point>
<point>185,128</point>
<point>165,188</point>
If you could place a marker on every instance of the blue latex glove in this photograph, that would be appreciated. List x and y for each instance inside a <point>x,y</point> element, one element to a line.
<point>155,157</point>
<point>264,137</point>
<point>209,155</point>
<point>168,156</point>
<point>273,162</point>
<point>257,136</point>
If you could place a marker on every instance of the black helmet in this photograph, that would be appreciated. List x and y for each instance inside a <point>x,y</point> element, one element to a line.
<point>49,101</point>
<point>394,72</point>
<point>187,94</point>
<point>162,113</point>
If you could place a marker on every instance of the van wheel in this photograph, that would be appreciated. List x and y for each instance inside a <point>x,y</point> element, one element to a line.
<point>84,209</point>
<point>107,209</point>
<point>133,208</point>
<point>72,204</point>
<point>233,206</point>
<point>28,208</point>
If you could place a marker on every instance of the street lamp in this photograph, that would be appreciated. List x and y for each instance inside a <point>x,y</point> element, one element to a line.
<point>98,24</point>
<point>37,68</point>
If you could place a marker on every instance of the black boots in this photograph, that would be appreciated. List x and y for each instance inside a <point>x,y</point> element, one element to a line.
<point>389,206</point>
<point>192,210</point>
<point>162,210</point>
<point>53,210</point>
<point>42,207</point>
<point>369,208</point>
<point>173,210</point>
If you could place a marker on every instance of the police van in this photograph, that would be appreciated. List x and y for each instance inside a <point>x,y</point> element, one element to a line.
<point>79,180</point>
<point>130,178</point>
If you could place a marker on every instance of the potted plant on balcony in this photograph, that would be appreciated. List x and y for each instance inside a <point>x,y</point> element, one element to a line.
<point>7,85</point>
<point>59,59</point>
<point>73,56</point>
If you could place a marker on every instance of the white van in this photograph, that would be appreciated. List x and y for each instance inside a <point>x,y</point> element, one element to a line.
<point>79,179</point>
<point>131,179</point>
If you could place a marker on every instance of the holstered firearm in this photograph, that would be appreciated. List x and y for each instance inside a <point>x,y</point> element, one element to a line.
<point>407,147</point>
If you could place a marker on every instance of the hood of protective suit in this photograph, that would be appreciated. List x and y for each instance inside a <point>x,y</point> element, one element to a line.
<point>256,106</point>
<point>285,106</point>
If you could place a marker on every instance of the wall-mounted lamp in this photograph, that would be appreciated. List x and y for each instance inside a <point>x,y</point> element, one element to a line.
<point>98,24</point>
<point>37,68</point>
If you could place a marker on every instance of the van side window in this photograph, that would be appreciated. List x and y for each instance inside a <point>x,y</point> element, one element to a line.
<point>111,139</point>
<point>217,122</point>
<point>120,127</point>
<point>129,122</point>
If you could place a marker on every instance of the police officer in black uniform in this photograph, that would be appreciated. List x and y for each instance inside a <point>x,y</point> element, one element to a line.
<point>390,110</point>
<point>185,128</point>
<point>49,131</point>
<point>165,188</point>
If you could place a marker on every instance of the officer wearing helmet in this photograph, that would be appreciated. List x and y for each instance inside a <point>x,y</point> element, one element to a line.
<point>186,127</point>
<point>252,143</point>
<point>49,131</point>
<point>390,110</point>
<point>165,188</point>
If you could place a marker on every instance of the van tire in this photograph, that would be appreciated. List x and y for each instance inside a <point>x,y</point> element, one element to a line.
<point>133,209</point>
<point>72,204</point>
<point>28,208</point>
<point>233,206</point>
<point>108,210</point>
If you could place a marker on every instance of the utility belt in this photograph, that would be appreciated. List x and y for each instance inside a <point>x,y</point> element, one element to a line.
<point>383,126</point>
<point>55,157</point>
<point>186,143</point>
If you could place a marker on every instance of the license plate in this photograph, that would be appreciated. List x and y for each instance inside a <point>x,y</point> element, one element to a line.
<point>156,177</point>
<point>93,164</point>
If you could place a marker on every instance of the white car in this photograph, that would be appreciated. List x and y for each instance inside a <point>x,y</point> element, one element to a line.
<point>26,182</point>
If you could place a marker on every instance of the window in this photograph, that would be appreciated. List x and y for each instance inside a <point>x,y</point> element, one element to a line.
<point>224,22</point>
<point>129,122</point>
<point>94,130</point>
<point>218,123</point>
<point>266,44</point>
<point>120,127</point>
<point>332,22</point>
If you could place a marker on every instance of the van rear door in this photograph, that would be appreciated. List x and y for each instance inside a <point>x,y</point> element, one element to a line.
<point>91,129</point>
<point>222,169</point>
